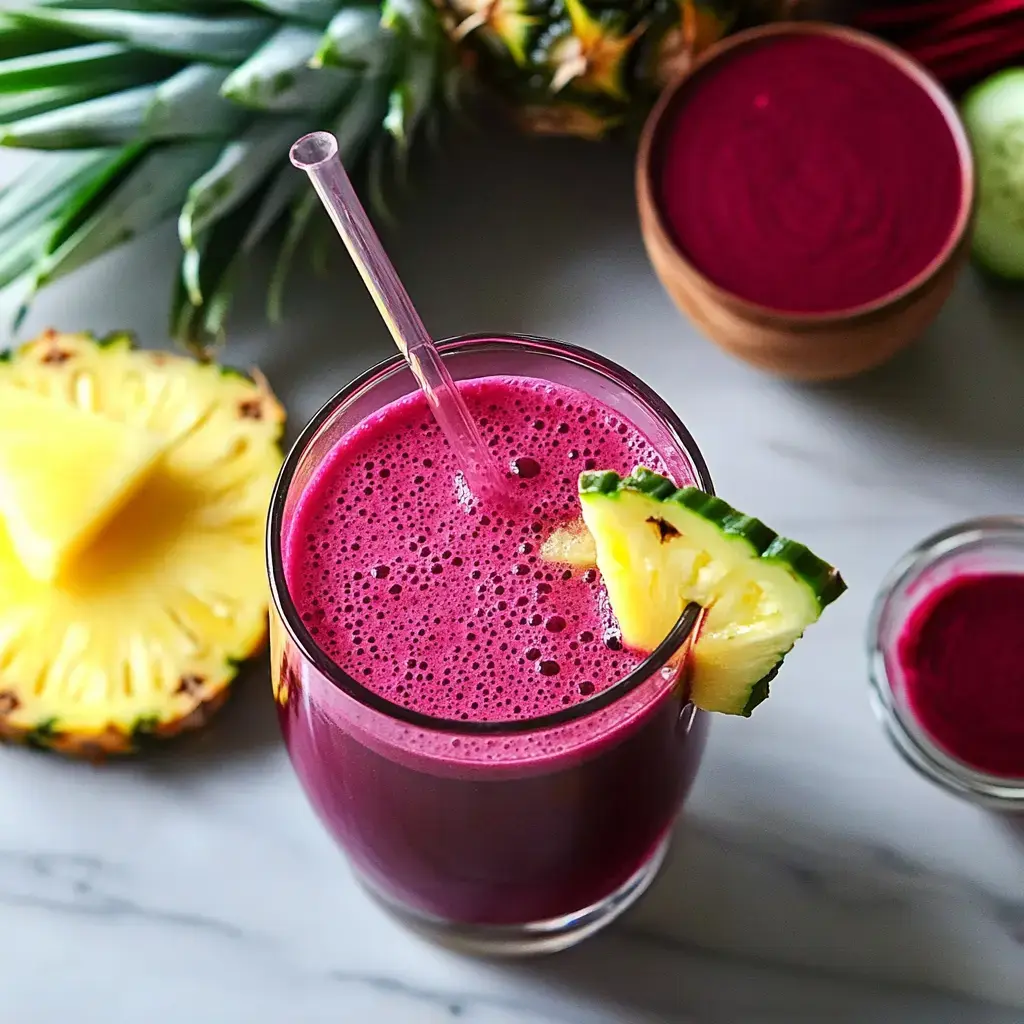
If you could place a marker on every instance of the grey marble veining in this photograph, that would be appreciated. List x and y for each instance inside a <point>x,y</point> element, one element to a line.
<point>99,921</point>
<point>815,877</point>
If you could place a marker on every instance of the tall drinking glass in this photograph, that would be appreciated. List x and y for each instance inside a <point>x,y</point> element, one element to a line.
<point>508,837</point>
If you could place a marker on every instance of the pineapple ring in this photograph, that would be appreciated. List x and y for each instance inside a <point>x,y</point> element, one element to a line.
<point>145,632</point>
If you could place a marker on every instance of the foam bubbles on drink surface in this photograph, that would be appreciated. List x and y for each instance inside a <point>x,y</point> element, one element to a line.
<point>443,605</point>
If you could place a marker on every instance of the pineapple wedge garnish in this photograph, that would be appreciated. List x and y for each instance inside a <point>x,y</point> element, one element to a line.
<point>64,473</point>
<point>160,590</point>
<point>661,548</point>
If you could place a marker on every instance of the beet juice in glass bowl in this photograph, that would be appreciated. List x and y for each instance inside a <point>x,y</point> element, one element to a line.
<point>946,656</point>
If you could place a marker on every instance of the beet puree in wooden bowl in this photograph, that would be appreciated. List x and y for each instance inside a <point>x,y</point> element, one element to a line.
<point>805,194</point>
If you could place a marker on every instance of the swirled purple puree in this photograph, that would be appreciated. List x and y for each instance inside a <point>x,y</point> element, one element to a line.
<point>962,658</point>
<point>808,174</point>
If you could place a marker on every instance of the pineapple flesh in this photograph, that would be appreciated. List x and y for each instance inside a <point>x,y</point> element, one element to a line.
<point>153,110</point>
<point>64,472</point>
<point>162,594</point>
<point>660,547</point>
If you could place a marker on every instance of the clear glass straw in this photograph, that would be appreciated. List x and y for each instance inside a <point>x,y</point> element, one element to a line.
<point>317,155</point>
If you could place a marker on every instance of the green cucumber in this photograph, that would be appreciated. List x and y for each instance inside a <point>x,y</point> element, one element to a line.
<point>660,547</point>
<point>993,114</point>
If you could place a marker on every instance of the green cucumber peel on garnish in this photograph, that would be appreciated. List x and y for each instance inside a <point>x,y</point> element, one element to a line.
<point>660,546</point>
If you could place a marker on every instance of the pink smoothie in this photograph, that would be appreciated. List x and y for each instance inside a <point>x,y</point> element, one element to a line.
<point>446,608</point>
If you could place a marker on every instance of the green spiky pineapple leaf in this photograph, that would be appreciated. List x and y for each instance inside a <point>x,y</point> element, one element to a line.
<point>18,39</point>
<point>354,39</point>
<point>186,105</point>
<point>203,294</point>
<point>313,12</point>
<point>278,77</point>
<point>18,106</point>
<point>114,62</point>
<point>241,166</point>
<point>152,191</point>
<point>218,38</point>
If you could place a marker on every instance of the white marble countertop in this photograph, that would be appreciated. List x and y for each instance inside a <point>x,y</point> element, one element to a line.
<point>815,877</point>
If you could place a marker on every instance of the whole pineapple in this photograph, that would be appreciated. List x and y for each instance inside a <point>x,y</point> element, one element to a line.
<point>157,108</point>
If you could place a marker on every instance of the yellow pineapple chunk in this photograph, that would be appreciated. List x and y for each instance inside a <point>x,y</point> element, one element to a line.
<point>64,473</point>
<point>570,545</point>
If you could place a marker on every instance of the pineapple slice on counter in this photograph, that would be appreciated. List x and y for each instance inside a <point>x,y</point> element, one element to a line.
<point>63,473</point>
<point>160,590</point>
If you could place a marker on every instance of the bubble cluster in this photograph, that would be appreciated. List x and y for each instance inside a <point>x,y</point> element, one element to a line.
<point>442,605</point>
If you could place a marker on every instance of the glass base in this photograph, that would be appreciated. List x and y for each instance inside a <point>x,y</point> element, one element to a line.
<point>535,938</point>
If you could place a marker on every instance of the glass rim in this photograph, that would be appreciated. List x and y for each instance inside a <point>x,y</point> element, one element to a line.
<point>910,739</point>
<point>308,648</point>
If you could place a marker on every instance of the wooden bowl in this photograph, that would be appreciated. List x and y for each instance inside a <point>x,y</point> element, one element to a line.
<point>805,346</point>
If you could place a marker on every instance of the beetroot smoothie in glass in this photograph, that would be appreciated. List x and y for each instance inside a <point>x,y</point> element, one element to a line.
<point>462,713</point>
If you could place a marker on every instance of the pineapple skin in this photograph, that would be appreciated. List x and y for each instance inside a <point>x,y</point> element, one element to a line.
<point>583,69</point>
<point>196,698</point>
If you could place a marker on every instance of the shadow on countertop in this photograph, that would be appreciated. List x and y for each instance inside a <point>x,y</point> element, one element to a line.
<point>641,979</point>
<point>961,386</point>
<point>794,889</point>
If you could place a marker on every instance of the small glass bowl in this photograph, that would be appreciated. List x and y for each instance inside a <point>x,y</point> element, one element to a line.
<point>988,545</point>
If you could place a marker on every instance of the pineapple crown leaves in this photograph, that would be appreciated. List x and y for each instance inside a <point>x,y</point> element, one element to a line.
<point>507,21</point>
<point>146,110</point>
<point>150,110</point>
<point>593,52</point>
